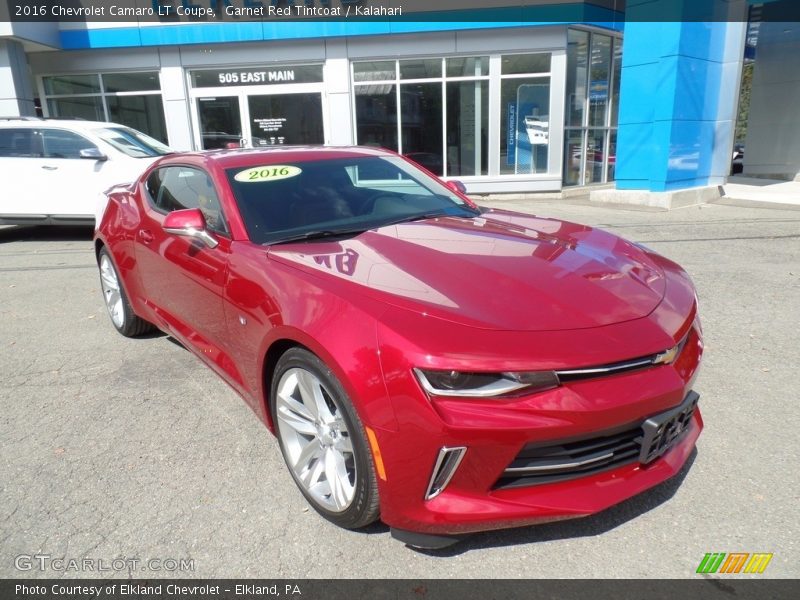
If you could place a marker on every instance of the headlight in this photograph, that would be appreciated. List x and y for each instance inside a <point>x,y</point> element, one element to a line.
<point>484,385</point>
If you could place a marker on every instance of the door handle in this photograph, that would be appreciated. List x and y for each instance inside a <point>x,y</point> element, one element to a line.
<point>145,236</point>
<point>49,167</point>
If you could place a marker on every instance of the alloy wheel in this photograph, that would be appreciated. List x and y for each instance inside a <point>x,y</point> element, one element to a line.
<point>316,440</point>
<point>111,291</point>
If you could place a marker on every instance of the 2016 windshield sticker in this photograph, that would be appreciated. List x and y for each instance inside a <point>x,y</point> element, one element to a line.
<point>267,173</point>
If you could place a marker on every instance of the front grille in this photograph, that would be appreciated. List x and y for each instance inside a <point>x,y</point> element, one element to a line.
<point>567,375</point>
<point>569,459</point>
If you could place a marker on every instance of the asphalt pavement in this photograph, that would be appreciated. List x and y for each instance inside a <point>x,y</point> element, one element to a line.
<point>119,449</point>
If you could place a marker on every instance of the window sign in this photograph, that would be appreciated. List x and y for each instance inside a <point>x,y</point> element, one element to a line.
<point>528,123</point>
<point>257,76</point>
<point>511,134</point>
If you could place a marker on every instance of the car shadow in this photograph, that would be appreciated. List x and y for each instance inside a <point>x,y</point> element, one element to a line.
<point>592,525</point>
<point>155,334</point>
<point>45,233</point>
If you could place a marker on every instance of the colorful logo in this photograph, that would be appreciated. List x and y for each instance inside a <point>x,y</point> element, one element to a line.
<point>734,562</point>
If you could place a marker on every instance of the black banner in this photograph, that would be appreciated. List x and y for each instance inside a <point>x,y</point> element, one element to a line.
<point>277,11</point>
<point>401,589</point>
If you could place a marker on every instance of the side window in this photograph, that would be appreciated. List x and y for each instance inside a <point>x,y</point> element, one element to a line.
<point>153,185</point>
<point>178,188</point>
<point>20,143</point>
<point>59,143</point>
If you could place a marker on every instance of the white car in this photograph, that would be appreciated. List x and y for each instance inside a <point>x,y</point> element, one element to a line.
<point>55,172</point>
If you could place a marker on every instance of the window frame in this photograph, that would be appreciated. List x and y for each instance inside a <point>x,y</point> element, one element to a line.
<point>34,133</point>
<point>585,129</point>
<point>103,94</point>
<point>89,142</point>
<point>495,78</point>
<point>152,203</point>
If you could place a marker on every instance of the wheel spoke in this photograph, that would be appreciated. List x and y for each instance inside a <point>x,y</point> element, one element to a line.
<point>311,477</point>
<point>336,474</point>
<point>311,451</point>
<point>112,298</point>
<point>295,415</point>
<point>309,388</point>
<point>109,280</point>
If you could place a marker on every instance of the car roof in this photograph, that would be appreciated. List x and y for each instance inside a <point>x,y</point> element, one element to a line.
<point>249,157</point>
<point>28,122</point>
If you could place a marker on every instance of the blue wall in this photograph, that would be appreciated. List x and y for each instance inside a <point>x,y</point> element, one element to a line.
<point>525,13</point>
<point>678,97</point>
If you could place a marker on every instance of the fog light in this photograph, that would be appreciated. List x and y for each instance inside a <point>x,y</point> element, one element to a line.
<point>446,464</point>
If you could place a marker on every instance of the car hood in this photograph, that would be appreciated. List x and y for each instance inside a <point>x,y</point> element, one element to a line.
<point>501,270</point>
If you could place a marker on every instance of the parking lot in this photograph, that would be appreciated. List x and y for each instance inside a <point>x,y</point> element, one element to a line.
<point>118,448</point>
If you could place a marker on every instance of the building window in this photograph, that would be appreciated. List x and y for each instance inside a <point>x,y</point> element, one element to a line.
<point>132,99</point>
<point>593,69</point>
<point>525,113</point>
<point>433,110</point>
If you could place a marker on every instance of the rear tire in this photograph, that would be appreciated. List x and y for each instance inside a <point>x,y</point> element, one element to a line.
<point>322,440</point>
<point>116,300</point>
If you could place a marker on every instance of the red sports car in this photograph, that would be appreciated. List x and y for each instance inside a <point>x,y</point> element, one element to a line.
<point>440,366</point>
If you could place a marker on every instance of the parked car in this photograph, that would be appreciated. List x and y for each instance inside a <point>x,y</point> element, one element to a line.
<point>443,367</point>
<point>737,160</point>
<point>55,171</point>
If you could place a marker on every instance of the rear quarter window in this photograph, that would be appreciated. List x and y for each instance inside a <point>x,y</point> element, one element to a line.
<point>18,142</point>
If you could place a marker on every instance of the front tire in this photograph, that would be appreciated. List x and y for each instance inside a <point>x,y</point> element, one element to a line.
<point>116,300</point>
<point>322,440</point>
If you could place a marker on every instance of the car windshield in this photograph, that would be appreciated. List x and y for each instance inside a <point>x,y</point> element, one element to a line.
<point>133,143</point>
<point>328,197</point>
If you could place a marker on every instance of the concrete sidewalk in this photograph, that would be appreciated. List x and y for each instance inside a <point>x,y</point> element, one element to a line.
<point>746,192</point>
<point>756,192</point>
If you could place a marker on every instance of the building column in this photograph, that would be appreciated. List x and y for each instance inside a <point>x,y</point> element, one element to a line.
<point>772,146</point>
<point>16,91</point>
<point>678,99</point>
<point>337,88</point>
<point>175,96</point>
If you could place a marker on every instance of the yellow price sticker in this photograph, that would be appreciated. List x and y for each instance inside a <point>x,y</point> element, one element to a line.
<point>267,173</point>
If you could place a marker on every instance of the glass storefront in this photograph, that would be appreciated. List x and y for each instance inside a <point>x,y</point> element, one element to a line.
<point>525,105</point>
<point>590,137</point>
<point>220,122</point>
<point>433,110</point>
<point>505,120</point>
<point>258,106</point>
<point>132,99</point>
<point>285,119</point>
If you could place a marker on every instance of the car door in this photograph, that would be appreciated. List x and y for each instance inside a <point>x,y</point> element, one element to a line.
<point>182,278</point>
<point>72,182</point>
<point>21,173</point>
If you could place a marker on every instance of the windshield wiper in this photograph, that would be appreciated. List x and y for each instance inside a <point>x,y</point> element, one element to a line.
<point>424,216</point>
<point>317,234</point>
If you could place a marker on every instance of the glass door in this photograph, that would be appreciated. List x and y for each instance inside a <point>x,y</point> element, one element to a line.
<point>220,122</point>
<point>285,119</point>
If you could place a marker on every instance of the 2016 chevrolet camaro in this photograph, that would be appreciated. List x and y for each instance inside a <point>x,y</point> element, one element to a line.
<point>442,367</point>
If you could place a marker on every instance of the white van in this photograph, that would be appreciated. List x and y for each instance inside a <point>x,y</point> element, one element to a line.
<point>55,172</point>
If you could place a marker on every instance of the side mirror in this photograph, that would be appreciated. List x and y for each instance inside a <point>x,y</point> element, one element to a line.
<point>457,186</point>
<point>189,223</point>
<point>92,154</point>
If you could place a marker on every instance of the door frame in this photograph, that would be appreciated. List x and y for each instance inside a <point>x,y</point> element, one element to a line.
<point>242,93</point>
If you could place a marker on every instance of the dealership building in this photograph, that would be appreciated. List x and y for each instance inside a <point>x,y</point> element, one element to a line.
<point>520,98</point>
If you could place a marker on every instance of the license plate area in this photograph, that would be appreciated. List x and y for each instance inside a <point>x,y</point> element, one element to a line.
<point>661,432</point>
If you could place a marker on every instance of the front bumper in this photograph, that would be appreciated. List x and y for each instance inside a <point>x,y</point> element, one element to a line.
<point>459,510</point>
<point>495,432</point>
